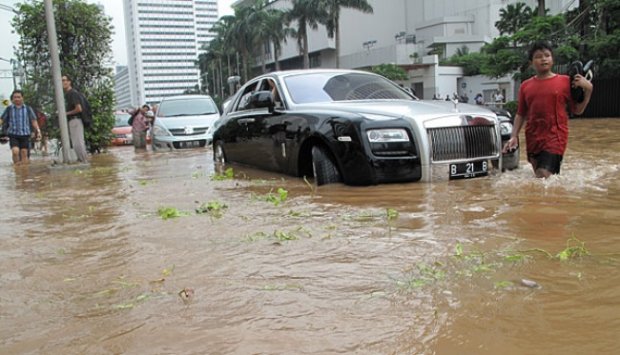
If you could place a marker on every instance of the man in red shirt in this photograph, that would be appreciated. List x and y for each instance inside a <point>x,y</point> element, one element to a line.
<point>543,100</point>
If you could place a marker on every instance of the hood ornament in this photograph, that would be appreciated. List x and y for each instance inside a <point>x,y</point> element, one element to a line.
<point>456,103</point>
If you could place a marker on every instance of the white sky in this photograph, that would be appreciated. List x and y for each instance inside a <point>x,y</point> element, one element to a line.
<point>112,8</point>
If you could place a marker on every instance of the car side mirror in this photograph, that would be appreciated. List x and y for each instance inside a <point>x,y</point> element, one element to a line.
<point>260,99</point>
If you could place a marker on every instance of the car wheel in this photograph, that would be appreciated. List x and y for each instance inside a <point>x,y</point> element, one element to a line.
<point>219,157</point>
<point>324,168</point>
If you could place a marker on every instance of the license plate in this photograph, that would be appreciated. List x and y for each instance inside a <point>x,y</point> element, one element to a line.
<point>189,144</point>
<point>469,170</point>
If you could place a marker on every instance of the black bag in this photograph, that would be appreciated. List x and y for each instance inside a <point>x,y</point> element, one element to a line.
<point>575,68</point>
<point>87,113</point>
<point>133,115</point>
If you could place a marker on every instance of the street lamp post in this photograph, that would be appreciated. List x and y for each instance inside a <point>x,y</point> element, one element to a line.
<point>56,78</point>
<point>13,70</point>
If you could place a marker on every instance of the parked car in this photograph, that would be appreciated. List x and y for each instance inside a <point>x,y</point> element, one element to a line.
<point>510,160</point>
<point>121,132</point>
<point>353,127</point>
<point>184,121</point>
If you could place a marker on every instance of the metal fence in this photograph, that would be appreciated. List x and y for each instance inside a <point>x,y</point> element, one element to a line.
<point>605,101</point>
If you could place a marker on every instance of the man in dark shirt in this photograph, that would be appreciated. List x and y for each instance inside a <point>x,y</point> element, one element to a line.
<point>76,127</point>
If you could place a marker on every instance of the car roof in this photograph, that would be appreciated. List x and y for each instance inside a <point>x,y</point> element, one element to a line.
<point>283,73</point>
<point>184,97</point>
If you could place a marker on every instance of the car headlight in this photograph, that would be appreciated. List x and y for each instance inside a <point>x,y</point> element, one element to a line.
<point>387,135</point>
<point>505,128</point>
<point>160,131</point>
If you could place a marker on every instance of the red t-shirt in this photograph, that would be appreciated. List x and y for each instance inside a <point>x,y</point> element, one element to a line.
<point>544,103</point>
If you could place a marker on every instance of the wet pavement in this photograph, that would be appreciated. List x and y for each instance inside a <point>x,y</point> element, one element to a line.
<point>264,263</point>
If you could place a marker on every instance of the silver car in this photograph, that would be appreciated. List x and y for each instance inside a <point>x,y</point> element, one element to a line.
<point>184,121</point>
<point>353,127</point>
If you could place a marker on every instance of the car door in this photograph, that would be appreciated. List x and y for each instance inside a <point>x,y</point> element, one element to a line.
<point>235,133</point>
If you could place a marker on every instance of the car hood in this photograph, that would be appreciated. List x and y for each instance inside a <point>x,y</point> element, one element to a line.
<point>420,111</point>
<point>187,121</point>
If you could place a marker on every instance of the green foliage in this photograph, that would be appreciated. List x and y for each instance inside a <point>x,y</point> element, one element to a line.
<point>513,18</point>
<point>390,71</point>
<point>472,63</point>
<point>170,212</point>
<point>228,174</point>
<point>511,106</point>
<point>213,208</point>
<point>84,39</point>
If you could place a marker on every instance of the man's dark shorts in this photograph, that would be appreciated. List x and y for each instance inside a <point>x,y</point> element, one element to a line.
<point>23,142</point>
<point>545,160</point>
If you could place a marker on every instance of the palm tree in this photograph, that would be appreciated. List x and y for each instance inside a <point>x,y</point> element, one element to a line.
<point>333,19</point>
<point>243,36</point>
<point>307,13</point>
<point>277,32</point>
<point>541,8</point>
<point>513,18</point>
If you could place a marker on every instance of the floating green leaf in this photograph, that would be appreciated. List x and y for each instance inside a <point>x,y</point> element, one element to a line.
<point>170,212</point>
<point>227,175</point>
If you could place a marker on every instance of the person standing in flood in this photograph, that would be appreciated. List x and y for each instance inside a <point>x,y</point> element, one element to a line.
<point>18,121</point>
<point>543,100</point>
<point>139,126</point>
<point>74,116</point>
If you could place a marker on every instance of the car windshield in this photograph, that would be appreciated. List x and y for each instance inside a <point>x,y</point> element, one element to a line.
<point>326,87</point>
<point>187,107</point>
<point>121,119</point>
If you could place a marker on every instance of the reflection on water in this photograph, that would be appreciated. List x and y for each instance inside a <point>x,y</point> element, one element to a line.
<point>88,265</point>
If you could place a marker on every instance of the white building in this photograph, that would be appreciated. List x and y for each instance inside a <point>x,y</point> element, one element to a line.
<point>403,32</point>
<point>164,38</point>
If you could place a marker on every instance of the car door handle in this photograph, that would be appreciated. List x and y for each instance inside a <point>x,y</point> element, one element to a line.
<point>246,120</point>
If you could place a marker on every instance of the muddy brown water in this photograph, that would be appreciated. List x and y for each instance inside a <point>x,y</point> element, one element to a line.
<point>88,266</point>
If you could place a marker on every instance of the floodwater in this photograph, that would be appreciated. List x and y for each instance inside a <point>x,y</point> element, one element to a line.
<point>504,264</point>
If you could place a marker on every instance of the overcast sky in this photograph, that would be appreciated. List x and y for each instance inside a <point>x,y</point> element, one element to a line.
<point>113,8</point>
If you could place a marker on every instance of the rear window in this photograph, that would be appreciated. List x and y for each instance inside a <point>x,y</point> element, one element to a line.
<point>121,119</point>
<point>327,87</point>
<point>187,107</point>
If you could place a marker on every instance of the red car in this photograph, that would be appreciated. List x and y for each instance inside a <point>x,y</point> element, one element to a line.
<point>122,130</point>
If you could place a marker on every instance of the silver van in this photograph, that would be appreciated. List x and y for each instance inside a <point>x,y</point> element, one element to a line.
<point>184,121</point>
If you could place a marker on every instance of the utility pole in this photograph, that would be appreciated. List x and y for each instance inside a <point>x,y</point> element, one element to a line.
<point>57,80</point>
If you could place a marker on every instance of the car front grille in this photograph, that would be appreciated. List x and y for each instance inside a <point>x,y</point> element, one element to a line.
<point>463,142</point>
<point>182,131</point>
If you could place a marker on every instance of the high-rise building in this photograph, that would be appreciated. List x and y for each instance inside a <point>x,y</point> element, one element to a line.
<point>121,88</point>
<point>164,38</point>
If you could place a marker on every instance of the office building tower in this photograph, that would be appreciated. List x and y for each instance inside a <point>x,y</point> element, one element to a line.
<point>164,38</point>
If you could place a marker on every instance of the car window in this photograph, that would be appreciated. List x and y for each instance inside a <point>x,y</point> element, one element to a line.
<point>121,119</point>
<point>326,87</point>
<point>187,107</point>
<point>244,101</point>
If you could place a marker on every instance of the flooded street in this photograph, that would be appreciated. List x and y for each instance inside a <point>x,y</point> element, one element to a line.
<point>510,264</point>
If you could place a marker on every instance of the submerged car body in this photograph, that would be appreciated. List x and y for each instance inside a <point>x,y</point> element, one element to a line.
<point>510,160</point>
<point>184,121</point>
<point>353,127</point>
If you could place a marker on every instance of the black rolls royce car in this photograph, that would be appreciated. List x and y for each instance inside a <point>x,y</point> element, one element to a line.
<point>353,127</point>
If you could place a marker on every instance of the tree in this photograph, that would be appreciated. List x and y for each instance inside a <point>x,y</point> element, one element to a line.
<point>333,19</point>
<point>277,32</point>
<point>390,71</point>
<point>307,14</point>
<point>84,39</point>
<point>513,17</point>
